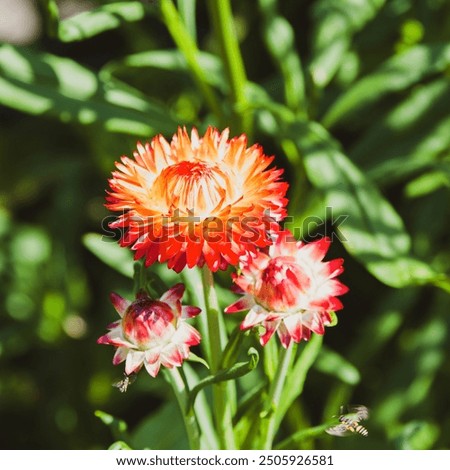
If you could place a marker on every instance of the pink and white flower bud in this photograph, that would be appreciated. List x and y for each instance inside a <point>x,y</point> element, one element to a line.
<point>289,289</point>
<point>152,332</point>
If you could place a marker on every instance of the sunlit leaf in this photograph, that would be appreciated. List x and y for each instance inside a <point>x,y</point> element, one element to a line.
<point>119,445</point>
<point>396,74</point>
<point>335,23</point>
<point>187,12</point>
<point>332,363</point>
<point>410,137</point>
<point>297,376</point>
<point>416,435</point>
<point>411,378</point>
<point>106,17</point>
<point>117,426</point>
<point>429,182</point>
<point>280,40</point>
<point>172,60</point>
<point>373,231</point>
<point>45,84</point>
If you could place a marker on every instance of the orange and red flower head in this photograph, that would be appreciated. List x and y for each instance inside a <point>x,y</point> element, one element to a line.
<point>152,332</point>
<point>289,289</point>
<point>196,200</point>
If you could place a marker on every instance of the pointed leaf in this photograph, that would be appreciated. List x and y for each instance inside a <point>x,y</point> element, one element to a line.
<point>194,358</point>
<point>395,75</point>
<point>332,363</point>
<point>335,25</point>
<point>45,84</point>
<point>119,445</point>
<point>106,17</point>
<point>110,253</point>
<point>238,370</point>
<point>373,231</point>
<point>117,426</point>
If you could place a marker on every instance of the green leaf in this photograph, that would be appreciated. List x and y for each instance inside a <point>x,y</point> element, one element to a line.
<point>335,25</point>
<point>45,84</point>
<point>232,348</point>
<point>414,371</point>
<point>396,74</point>
<point>187,12</point>
<point>247,414</point>
<point>416,435</point>
<point>106,17</point>
<point>194,358</point>
<point>332,363</point>
<point>117,426</point>
<point>237,370</point>
<point>202,411</point>
<point>295,382</point>
<point>305,434</point>
<point>373,338</point>
<point>119,445</point>
<point>280,41</point>
<point>410,137</point>
<point>373,232</point>
<point>334,319</point>
<point>427,183</point>
<point>162,430</point>
<point>110,253</point>
<point>51,11</point>
<point>172,60</point>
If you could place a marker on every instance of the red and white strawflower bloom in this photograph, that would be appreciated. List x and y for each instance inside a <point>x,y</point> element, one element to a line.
<point>152,333</point>
<point>289,289</point>
<point>196,200</point>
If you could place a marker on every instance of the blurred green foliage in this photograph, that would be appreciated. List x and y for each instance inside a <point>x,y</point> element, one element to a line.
<point>352,97</point>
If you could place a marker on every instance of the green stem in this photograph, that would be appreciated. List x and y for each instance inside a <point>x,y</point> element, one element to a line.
<point>51,17</point>
<point>275,392</point>
<point>223,23</point>
<point>188,47</point>
<point>296,380</point>
<point>304,434</point>
<point>193,281</point>
<point>217,338</point>
<point>182,394</point>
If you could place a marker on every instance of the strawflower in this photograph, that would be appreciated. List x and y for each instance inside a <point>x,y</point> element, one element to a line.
<point>196,200</point>
<point>289,289</point>
<point>152,333</point>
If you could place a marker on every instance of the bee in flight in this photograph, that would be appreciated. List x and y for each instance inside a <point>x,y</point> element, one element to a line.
<point>349,419</point>
<point>127,380</point>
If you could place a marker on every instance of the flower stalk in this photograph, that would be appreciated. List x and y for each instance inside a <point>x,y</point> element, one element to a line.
<point>223,23</point>
<point>217,336</point>
<point>181,391</point>
<point>186,44</point>
<point>275,392</point>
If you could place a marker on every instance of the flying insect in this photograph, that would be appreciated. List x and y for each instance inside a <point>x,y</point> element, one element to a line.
<point>349,419</point>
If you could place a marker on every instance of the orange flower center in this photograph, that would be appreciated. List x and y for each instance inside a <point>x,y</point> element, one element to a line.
<point>197,188</point>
